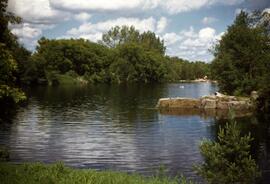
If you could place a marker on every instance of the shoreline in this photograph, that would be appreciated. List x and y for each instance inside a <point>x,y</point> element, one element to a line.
<point>197,81</point>
<point>27,173</point>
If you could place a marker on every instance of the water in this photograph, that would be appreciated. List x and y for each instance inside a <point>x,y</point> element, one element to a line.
<point>116,127</point>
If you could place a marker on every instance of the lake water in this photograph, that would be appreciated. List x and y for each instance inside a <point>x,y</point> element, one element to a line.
<point>116,127</point>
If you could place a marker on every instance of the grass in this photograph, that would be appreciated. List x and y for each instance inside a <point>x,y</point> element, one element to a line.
<point>59,174</point>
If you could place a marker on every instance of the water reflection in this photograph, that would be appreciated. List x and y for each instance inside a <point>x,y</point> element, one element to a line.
<point>111,127</point>
<point>205,113</point>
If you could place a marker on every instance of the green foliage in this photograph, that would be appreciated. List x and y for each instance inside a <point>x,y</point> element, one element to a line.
<point>133,64</point>
<point>120,35</point>
<point>117,36</point>
<point>15,94</point>
<point>8,66</point>
<point>33,71</point>
<point>81,56</point>
<point>9,98</point>
<point>126,61</point>
<point>184,70</point>
<point>242,56</point>
<point>12,55</point>
<point>58,173</point>
<point>5,18</point>
<point>228,160</point>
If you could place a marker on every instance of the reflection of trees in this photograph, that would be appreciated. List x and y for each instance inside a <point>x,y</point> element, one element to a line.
<point>132,103</point>
<point>203,113</point>
<point>121,104</point>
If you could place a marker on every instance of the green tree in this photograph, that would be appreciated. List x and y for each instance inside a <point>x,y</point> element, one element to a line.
<point>120,35</point>
<point>5,18</point>
<point>9,93</point>
<point>242,55</point>
<point>151,42</point>
<point>134,64</point>
<point>228,161</point>
<point>125,55</point>
<point>123,35</point>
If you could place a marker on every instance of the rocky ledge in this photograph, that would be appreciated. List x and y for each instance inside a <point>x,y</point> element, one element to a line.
<point>216,102</point>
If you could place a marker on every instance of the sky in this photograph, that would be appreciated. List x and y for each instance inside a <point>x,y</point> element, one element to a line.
<point>189,28</point>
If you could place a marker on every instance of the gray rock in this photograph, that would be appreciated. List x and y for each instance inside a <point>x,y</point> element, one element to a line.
<point>208,103</point>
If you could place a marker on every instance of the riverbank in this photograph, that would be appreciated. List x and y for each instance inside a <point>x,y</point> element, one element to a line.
<point>32,173</point>
<point>197,81</point>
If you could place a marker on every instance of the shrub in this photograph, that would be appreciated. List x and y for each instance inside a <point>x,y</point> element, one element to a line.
<point>228,160</point>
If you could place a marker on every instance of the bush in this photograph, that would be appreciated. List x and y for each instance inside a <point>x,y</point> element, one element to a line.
<point>228,160</point>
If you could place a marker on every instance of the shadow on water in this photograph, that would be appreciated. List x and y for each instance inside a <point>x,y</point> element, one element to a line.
<point>117,127</point>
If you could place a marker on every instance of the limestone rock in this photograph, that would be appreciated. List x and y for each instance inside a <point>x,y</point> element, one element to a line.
<point>223,105</point>
<point>178,102</point>
<point>208,103</point>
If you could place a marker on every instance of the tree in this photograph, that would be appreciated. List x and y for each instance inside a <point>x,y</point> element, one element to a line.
<point>120,35</point>
<point>125,55</point>
<point>117,36</point>
<point>5,18</point>
<point>242,55</point>
<point>134,64</point>
<point>151,42</point>
<point>10,94</point>
<point>228,161</point>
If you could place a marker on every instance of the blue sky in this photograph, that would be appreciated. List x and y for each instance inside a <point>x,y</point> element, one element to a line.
<point>189,27</point>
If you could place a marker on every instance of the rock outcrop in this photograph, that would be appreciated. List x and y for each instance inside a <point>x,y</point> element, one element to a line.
<point>178,102</point>
<point>217,102</point>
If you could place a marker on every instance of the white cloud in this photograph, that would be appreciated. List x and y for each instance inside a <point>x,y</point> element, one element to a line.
<point>36,11</point>
<point>176,6</point>
<point>37,16</point>
<point>207,33</point>
<point>238,10</point>
<point>26,31</point>
<point>82,17</point>
<point>266,10</point>
<point>171,38</point>
<point>170,6</point>
<point>209,20</point>
<point>94,30</point>
<point>190,44</point>
<point>52,11</point>
<point>95,5</point>
<point>162,24</point>
<point>92,36</point>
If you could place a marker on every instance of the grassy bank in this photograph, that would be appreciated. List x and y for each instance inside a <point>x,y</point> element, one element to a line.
<point>58,173</point>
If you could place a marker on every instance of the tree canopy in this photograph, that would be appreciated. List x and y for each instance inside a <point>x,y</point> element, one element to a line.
<point>10,94</point>
<point>125,55</point>
<point>123,35</point>
<point>242,56</point>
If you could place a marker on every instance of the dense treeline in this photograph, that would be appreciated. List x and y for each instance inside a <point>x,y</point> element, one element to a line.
<point>242,57</point>
<point>124,55</point>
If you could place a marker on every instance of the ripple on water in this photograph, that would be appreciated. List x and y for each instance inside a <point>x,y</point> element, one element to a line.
<point>109,127</point>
